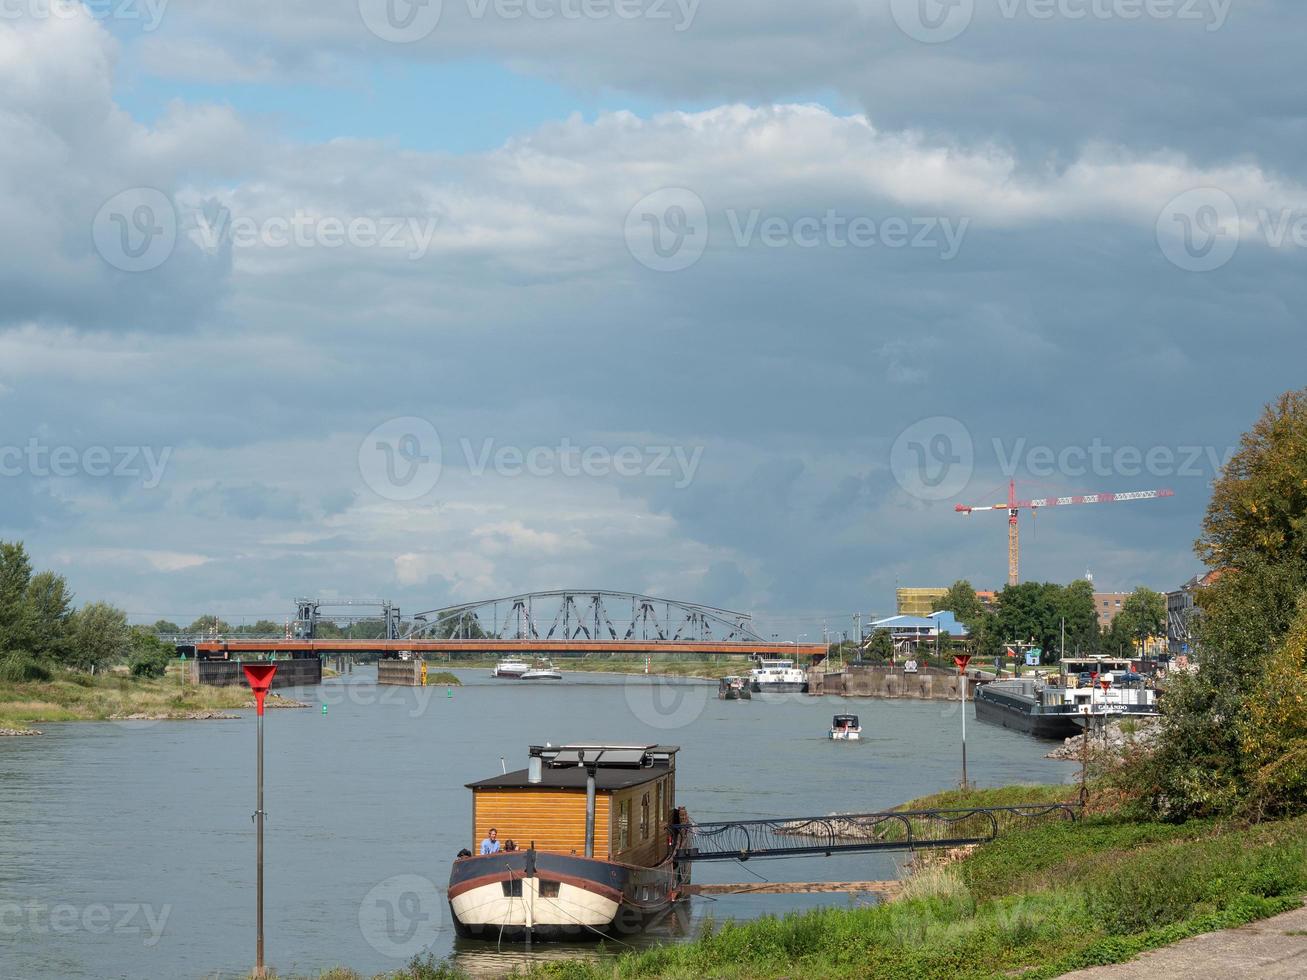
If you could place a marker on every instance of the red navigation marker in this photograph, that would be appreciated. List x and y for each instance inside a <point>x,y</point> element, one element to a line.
<point>259,677</point>
<point>961,660</point>
<point>1106,682</point>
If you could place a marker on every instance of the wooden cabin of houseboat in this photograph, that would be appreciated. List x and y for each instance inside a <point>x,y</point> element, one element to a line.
<point>595,836</point>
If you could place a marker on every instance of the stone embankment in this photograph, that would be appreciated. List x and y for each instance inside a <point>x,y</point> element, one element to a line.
<point>18,731</point>
<point>1120,738</point>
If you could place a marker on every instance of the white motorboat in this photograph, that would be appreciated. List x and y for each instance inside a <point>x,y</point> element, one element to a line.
<point>542,670</point>
<point>845,728</point>
<point>511,668</point>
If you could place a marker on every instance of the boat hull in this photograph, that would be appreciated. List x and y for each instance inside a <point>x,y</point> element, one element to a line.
<point>542,675</point>
<point>779,687</point>
<point>1017,718</point>
<point>540,895</point>
<point>838,736</point>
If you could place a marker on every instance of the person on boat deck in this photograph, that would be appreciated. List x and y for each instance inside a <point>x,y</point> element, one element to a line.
<point>510,845</point>
<point>491,844</point>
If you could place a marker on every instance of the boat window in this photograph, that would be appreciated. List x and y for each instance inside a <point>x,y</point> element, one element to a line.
<point>548,889</point>
<point>624,825</point>
<point>659,809</point>
<point>644,817</point>
<point>513,888</point>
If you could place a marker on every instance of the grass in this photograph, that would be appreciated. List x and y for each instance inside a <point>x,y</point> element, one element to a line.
<point>83,697</point>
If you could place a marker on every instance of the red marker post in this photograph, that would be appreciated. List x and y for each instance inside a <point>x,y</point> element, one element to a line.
<point>259,677</point>
<point>962,659</point>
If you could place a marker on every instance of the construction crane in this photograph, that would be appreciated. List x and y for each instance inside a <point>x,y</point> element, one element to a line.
<point>1014,506</point>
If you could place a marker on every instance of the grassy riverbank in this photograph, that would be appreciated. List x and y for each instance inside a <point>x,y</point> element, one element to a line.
<point>105,697</point>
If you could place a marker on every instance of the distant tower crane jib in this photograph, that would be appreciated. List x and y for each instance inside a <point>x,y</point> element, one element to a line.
<point>1014,506</point>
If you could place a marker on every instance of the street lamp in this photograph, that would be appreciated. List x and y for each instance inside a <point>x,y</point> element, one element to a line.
<point>259,677</point>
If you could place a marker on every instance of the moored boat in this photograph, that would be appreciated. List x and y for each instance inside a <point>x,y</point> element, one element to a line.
<point>845,728</point>
<point>733,688</point>
<point>1059,707</point>
<point>777,677</point>
<point>599,825</point>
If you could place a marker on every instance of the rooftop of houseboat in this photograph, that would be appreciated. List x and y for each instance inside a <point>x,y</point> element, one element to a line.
<point>564,767</point>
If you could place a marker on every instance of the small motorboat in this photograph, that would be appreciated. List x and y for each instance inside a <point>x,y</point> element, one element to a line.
<point>512,668</point>
<point>733,688</point>
<point>542,670</point>
<point>845,728</point>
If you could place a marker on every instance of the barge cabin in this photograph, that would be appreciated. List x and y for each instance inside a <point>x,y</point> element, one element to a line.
<point>595,828</point>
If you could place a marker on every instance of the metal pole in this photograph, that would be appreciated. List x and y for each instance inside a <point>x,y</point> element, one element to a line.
<point>964,728</point>
<point>259,970</point>
<point>590,810</point>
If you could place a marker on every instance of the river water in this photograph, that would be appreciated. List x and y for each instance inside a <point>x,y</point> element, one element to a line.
<point>127,849</point>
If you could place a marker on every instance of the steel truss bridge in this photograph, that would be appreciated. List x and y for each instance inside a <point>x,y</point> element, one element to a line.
<point>558,621</point>
<point>892,830</point>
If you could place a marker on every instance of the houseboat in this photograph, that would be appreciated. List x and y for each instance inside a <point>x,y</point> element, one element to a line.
<point>777,677</point>
<point>733,688</point>
<point>596,828</point>
<point>845,728</point>
<point>510,667</point>
<point>1060,706</point>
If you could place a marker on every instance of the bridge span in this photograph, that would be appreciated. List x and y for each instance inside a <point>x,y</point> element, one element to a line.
<point>508,645</point>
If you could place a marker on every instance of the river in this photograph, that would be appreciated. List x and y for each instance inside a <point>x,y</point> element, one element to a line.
<point>127,849</point>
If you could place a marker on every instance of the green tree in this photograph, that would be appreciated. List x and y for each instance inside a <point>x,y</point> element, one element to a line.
<point>166,626</point>
<point>1029,611</point>
<point>100,636</point>
<point>17,624</point>
<point>49,603</point>
<point>961,600</point>
<point>149,656</point>
<point>880,646</point>
<point>1076,609</point>
<point>209,623</point>
<point>1143,614</point>
<point>1259,505</point>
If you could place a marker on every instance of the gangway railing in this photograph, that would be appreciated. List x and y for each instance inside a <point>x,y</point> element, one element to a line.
<point>891,830</point>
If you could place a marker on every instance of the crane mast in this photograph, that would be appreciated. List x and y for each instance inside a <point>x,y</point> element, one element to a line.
<point>1014,507</point>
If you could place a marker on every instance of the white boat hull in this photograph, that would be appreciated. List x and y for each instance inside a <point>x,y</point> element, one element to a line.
<point>845,736</point>
<point>574,908</point>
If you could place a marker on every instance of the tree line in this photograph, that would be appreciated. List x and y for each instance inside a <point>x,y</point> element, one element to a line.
<point>41,632</point>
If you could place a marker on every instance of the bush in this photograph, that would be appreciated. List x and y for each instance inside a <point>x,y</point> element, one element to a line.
<point>150,656</point>
<point>19,668</point>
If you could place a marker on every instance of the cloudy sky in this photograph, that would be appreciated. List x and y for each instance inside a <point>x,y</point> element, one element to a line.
<point>724,300</point>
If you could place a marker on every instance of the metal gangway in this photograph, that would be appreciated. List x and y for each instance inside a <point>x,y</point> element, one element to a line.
<point>891,830</point>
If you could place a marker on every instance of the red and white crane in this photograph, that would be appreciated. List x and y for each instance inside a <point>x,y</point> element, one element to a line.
<point>1014,506</point>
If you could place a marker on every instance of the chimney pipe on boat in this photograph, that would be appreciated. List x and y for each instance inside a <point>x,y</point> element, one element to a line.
<point>591,768</point>
<point>535,769</point>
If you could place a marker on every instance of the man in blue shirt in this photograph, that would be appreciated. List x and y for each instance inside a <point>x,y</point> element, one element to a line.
<point>491,844</point>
